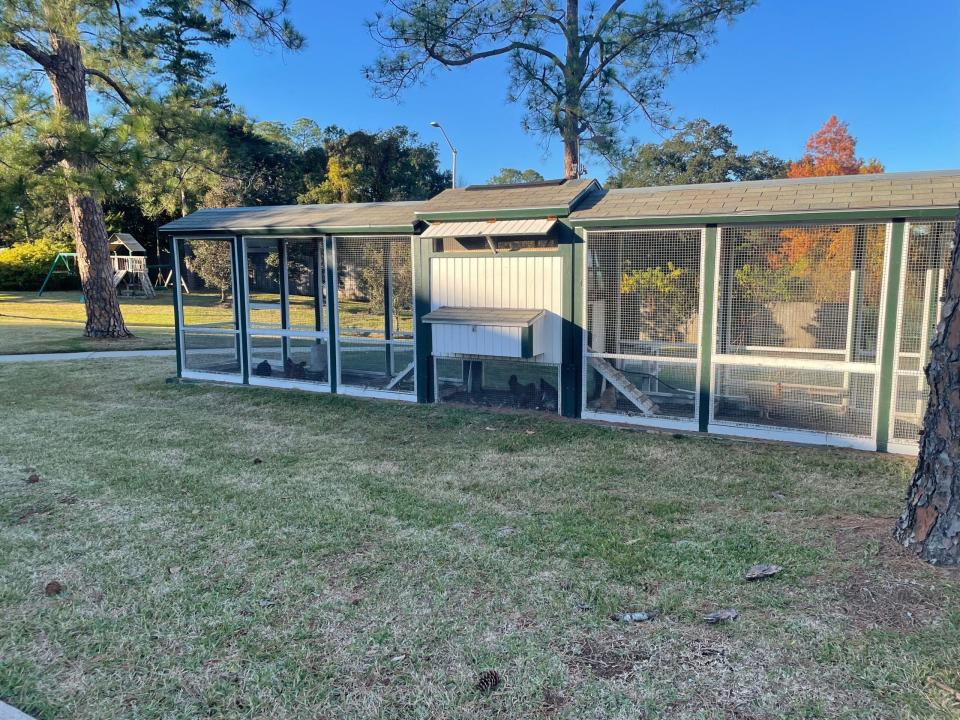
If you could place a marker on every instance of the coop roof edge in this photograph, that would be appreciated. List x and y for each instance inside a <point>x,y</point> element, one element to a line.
<point>881,194</point>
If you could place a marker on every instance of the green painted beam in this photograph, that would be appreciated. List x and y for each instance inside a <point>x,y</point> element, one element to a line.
<point>422,252</point>
<point>495,214</point>
<point>240,307</point>
<point>295,232</point>
<point>888,349</point>
<point>708,289</point>
<point>330,266</point>
<point>577,322</point>
<point>175,253</point>
<point>744,219</point>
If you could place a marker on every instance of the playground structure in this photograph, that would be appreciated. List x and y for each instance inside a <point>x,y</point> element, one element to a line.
<point>130,270</point>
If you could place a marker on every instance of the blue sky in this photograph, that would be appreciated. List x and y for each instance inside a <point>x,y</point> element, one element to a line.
<point>886,67</point>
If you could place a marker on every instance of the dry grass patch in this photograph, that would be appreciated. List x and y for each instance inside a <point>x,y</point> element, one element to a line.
<point>380,556</point>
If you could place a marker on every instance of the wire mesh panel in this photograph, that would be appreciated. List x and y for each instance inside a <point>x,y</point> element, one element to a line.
<point>375,312</point>
<point>924,273</point>
<point>287,327</point>
<point>643,322</point>
<point>805,301</point>
<point>209,335</point>
<point>826,401</point>
<point>483,381</point>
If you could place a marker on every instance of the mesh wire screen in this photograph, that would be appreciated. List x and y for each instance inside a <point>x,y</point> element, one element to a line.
<point>498,383</point>
<point>827,401</point>
<point>306,285</point>
<point>206,267</point>
<point>210,352</point>
<point>923,280</point>
<point>369,270</point>
<point>643,302</point>
<point>375,312</point>
<point>804,291</point>
<point>809,297</point>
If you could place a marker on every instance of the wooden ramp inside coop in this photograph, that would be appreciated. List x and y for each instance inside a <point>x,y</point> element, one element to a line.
<point>622,383</point>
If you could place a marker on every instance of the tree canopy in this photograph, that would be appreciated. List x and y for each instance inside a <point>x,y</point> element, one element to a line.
<point>832,150</point>
<point>513,176</point>
<point>583,72</point>
<point>699,152</point>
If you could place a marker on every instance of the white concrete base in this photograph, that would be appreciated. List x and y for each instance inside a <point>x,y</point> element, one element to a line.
<point>104,355</point>
<point>11,713</point>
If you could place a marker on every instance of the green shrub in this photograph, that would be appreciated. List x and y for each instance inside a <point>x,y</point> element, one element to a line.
<point>24,265</point>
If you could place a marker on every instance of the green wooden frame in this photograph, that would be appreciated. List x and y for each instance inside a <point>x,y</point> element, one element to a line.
<point>888,335</point>
<point>708,290</point>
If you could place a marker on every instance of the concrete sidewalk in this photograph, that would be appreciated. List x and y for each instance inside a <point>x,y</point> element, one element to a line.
<point>105,355</point>
<point>11,713</point>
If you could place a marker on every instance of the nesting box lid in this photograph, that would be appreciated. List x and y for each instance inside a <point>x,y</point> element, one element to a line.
<point>502,317</point>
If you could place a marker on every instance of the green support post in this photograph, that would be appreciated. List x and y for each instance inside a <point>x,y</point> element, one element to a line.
<point>388,305</point>
<point>177,300</point>
<point>331,269</point>
<point>708,287</point>
<point>888,349</point>
<point>240,307</point>
<point>572,249</point>
<point>284,297</point>
<point>421,253</point>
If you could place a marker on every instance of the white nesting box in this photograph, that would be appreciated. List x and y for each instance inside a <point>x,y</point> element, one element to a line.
<point>493,332</point>
<point>494,284</point>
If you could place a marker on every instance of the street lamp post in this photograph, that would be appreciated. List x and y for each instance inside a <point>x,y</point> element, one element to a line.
<point>453,150</point>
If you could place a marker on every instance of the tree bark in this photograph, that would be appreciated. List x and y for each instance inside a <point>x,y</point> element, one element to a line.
<point>67,76</point>
<point>930,523</point>
<point>573,75</point>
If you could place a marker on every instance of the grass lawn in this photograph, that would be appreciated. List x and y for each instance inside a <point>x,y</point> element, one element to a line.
<point>54,323</point>
<point>252,553</point>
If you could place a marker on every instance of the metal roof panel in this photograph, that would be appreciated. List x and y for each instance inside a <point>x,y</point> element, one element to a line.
<point>484,228</point>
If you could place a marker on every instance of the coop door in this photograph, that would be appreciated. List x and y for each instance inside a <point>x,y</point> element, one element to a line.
<point>643,323</point>
<point>209,337</point>
<point>287,335</point>
<point>374,298</point>
<point>797,327</point>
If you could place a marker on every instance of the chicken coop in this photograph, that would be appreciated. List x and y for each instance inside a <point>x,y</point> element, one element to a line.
<point>799,310</point>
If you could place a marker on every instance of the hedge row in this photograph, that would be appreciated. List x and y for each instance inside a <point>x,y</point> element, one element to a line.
<point>24,265</point>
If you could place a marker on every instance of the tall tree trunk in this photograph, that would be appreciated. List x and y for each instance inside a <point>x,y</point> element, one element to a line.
<point>572,77</point>
<point>68,82</point>
<point>930,523</point>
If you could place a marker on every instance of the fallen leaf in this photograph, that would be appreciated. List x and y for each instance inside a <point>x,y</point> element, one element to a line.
<point>642,616</point>
<point>759,572</point>
<point>54,587</point>
<point>33,477</point>
<point>721,616</point>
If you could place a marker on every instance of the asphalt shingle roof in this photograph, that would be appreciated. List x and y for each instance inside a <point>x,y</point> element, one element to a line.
<point>886,191</point>
<point>509,197</point>
<point>299,217</point>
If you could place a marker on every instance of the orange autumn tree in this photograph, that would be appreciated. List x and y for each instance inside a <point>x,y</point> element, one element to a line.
<point>830,151</point>
<point>824,255</point>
